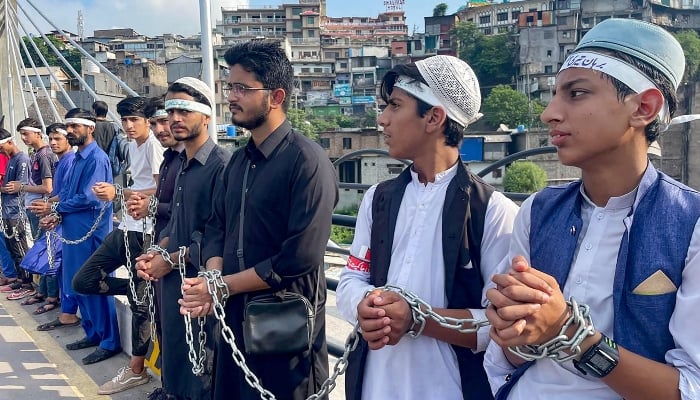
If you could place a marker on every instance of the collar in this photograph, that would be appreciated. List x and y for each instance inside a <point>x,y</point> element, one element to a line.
<point>271,142</point>
<point>441,178</point>
<point>632,198</point>
<point>87,151</point>
<point>202,155</point>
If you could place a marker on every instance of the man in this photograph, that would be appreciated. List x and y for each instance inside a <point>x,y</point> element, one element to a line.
<point>138,203</point>
<point>42,164</point>
<point>87,220</point>
<point>437,231</point>
<point>63,150</point>
<point>111,140</point>
<point>621,244</point>
<point>95,276</point>
<point>9,275</point>
<point>291,191</point>
<point>188,103</point>
<point>15,229</point>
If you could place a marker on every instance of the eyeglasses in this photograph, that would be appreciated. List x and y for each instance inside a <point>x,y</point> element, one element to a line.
<point>238,89</point>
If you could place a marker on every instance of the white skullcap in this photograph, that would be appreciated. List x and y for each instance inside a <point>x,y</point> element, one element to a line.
<point>200,87</point>
<point>454,85</point>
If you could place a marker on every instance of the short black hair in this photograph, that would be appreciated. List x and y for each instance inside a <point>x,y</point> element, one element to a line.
<point>268,62</point>
<point>28,122</point>
<point>132,106</point>
<point>100,108</point>
<point>80,113</point>
<point>4,134</point>
<point>154,104</point>
<point>53,127</point>
<point>177,87</point>
<point>454,132</point>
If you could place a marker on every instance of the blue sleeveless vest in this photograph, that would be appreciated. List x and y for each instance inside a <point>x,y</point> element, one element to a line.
<point>662,227</point>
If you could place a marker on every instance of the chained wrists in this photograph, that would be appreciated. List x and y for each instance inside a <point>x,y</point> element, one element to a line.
<point>566,345</point>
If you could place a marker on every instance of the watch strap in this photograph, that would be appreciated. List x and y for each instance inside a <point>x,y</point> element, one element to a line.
<point>600,359</point>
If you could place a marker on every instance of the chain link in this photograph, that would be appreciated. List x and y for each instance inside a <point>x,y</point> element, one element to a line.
<point>217,288</point>
<point>119,192</point>
<point>3,228</point>
<point>93,228</point>
<point>561,348</point>
<point>423,311</point>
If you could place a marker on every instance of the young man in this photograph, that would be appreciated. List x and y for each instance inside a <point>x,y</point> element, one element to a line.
<point>437,231</point>
<point>188,103</point>
<point>42,167</point>
<point>138,203</point>
<point>79,208</point>
<point>15,229</point>
<point>291,191</point>
<point>622,243</point>
<point>111,140</point>
<point>63,150</point>
<point>96,275</point>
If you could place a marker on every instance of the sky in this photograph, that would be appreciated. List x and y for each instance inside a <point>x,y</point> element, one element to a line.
<point>155,17</point>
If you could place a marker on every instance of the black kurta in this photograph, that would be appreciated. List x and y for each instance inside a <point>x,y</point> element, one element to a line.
<point>292,190</point>
<point>189,209</point>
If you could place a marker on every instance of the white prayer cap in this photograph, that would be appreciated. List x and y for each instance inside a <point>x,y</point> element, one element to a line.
<point>455,86</point>
<point>200,87</point>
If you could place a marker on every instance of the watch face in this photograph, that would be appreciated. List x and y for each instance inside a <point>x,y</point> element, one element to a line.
<point>600,361</point>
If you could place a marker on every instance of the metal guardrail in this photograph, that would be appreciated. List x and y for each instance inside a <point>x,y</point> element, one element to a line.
<point>336,349</point>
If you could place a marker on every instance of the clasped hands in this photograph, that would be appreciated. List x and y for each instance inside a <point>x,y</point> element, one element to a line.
<point>527,306</point>
<point>384,317</point>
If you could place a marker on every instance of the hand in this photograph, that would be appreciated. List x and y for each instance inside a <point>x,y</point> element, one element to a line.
<point>196,299</point>
<point>137,205</point>
<point>398,311</point>
<point>49,222</point>
<point>104,191</point>
<point>12,187</point>
<point>151,266</point>
<point>527,307</point>
<point>374,323</point>
<point>40,208</point>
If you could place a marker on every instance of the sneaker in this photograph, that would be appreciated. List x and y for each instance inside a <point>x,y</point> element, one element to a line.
<point>125,379</point>
<point>11,287</point>
<point>21,293</point>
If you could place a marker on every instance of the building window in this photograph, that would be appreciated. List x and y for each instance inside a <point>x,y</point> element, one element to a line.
<point>549,53</point>
<point>296,24</point>
<point>310,20</point>
<point>146,89</point>
<point>311,33</point>
<point>325,143</point>
<point>547,69</point>
<point>487,31</point>
<point>296,10</point>
<point>497,173</point>
<point>343,65</point>
<point>395,169</point>
<point>145,72</point>
<point>485,19</point>
<point>347,143</point>
<point>515,14</point>
<point>502,16</point>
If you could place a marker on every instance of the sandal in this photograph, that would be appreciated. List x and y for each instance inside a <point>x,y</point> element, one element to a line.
<point>21,293</point>
<point>37,298</point>
<point>56,324</point>
<point>50,305</point>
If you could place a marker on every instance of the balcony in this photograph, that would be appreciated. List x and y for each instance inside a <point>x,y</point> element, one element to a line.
<point>245,21</point>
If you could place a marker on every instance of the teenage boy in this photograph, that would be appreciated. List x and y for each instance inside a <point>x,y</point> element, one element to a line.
<point>437,231</point>
<point>621,245</point>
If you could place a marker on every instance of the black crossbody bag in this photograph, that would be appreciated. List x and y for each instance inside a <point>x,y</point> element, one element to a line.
<point>274,323</point>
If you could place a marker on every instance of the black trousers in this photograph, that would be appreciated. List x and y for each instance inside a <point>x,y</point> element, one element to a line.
<point>18,246</point>
<point>94,278</point>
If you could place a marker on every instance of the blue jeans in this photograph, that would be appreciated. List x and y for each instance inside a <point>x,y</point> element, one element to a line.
<point>6,262</point>
<point>48,285</point>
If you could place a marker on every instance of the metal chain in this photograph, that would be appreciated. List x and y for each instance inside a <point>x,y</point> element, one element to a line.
<point>214,286</point>
<point>92,230</point>
<point>3,228</point>
<point>197,358</point>
<point>423,311</point>
<point>561,348</point>
<point>119,192</point>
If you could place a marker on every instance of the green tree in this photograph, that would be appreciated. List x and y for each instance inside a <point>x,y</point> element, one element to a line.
<point>524,177</point>
<point>341,234</point>
<point>505,105</point>
<point>492,57</point>
<point>300,121</point>
<point>72,55</point>
<point>440,10</point>
<point>690,42</point>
